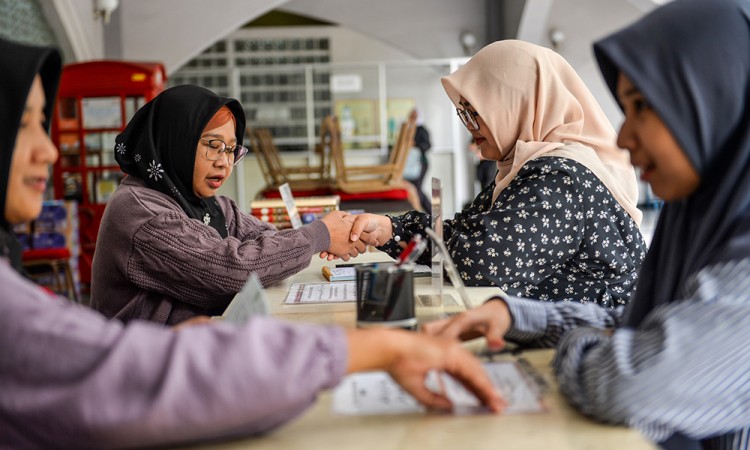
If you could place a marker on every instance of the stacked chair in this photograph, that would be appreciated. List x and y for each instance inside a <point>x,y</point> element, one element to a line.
<point>371,183</point>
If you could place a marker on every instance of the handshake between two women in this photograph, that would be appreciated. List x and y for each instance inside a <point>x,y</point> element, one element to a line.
<point>352,233</point>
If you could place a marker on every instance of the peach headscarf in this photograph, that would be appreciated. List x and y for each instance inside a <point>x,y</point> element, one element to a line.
<point>536,105</point>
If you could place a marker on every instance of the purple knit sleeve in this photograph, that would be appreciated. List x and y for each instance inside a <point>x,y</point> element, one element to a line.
<point>72,379</point>
<point>184,259</point>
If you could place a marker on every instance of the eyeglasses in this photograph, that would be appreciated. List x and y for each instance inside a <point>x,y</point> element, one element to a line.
<point>469,118</point>
<point>216,147</point>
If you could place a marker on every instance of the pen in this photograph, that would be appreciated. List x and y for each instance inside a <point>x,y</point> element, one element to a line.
<point>409,247</point>
<point>404,256</point>
<point>416,252</point>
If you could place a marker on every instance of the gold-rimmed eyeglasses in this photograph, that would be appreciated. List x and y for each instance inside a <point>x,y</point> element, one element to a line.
<point>469,118</point>
<point>216,147</point>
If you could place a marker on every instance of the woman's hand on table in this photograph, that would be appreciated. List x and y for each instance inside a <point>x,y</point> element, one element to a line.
<point>409,357</point>
<point>491,321</point>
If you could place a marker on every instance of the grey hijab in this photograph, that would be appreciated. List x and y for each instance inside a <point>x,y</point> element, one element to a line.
<point>691,61</point>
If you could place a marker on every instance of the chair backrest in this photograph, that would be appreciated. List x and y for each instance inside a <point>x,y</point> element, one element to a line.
<point>393,157</point>
<point>330,138</point>
<point>261,158</point>
<point>324,153</point>
<point>401,150</point>
<point>267,150</point>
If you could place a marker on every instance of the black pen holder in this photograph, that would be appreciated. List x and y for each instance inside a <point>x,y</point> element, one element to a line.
<point>385,296</point>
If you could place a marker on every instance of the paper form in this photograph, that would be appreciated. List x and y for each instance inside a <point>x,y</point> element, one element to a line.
<point>374,393</point>
<point>322,293</point>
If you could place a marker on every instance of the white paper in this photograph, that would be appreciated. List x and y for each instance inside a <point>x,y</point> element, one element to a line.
<point>101,112</point>
<point>349,272</point>
<point>374,393</point>
<point>250,301</point>
<point>345,291</point>
<point>290,205</point>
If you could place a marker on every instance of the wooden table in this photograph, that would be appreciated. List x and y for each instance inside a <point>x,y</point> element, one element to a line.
<point>560,428</point>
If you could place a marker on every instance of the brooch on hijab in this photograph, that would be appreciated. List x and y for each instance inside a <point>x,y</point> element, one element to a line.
<point>206,219</point>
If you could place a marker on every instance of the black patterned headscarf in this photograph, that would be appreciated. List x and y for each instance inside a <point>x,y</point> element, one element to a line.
<point>19,64</point>
<point>159,144</point>
<point>691,61</point>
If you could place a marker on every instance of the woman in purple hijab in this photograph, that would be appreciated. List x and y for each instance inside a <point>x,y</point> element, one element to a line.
<point>69,378</point>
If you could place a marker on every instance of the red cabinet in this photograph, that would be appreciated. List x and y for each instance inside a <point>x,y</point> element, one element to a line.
<point>95,102</point>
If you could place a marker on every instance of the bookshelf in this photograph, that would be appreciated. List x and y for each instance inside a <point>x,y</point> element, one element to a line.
<point>274,212</point>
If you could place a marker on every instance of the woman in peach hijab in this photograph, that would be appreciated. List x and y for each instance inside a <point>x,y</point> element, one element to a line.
<point>560,221</point>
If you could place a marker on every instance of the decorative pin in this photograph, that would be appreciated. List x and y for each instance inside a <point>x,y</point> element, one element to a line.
<point>206,219</point>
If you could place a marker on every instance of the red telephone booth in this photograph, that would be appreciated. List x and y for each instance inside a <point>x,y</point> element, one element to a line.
<point>95,102</point>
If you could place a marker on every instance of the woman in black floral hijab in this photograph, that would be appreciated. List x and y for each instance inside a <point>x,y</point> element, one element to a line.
<point>167,241</point>
<point>152,147</point>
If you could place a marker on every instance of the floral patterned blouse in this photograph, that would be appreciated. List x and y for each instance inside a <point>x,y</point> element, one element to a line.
<point>555,233</point>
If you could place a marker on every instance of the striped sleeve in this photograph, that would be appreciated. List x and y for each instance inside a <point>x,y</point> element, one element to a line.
<point>542,324</point>
<point>684,369</point>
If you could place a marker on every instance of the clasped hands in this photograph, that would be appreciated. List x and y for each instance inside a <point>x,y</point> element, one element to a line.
<point>352,233</point>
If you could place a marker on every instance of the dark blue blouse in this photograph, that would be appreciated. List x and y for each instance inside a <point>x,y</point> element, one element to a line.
<point>555,233</point>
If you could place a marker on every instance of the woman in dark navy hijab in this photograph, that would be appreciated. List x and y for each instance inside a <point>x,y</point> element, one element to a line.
<point>676,363</point>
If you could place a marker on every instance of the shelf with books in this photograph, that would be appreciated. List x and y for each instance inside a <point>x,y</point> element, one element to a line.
<point>309,208</point>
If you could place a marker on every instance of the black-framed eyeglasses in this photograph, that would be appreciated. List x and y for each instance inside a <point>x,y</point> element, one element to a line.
<point>216,147</point>
<point>469,118</point>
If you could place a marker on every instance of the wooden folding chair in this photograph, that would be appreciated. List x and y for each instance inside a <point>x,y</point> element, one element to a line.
<point>276,173</point>
<point>367,178</point>
<point>374,178</point>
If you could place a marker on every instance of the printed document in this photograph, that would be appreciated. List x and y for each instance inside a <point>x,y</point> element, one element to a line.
<point>322,293</point>
<point>373,393</point>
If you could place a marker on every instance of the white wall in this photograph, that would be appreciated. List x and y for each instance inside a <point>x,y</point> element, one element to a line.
<point>174,31</point>
<point>81,35</point>
<point>583,22</point>
<point>421,28</point>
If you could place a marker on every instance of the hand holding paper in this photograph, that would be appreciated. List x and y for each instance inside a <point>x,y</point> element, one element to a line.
<point>409,358</point>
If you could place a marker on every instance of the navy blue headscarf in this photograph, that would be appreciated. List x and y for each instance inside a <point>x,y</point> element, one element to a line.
<point>158,146</point>
<point>19,64</point>
<point>691,60</point>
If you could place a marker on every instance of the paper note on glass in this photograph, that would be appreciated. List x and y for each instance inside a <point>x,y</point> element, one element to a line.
<point>250,301</point>
<point>322,293</point>
<point>376,393</point>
